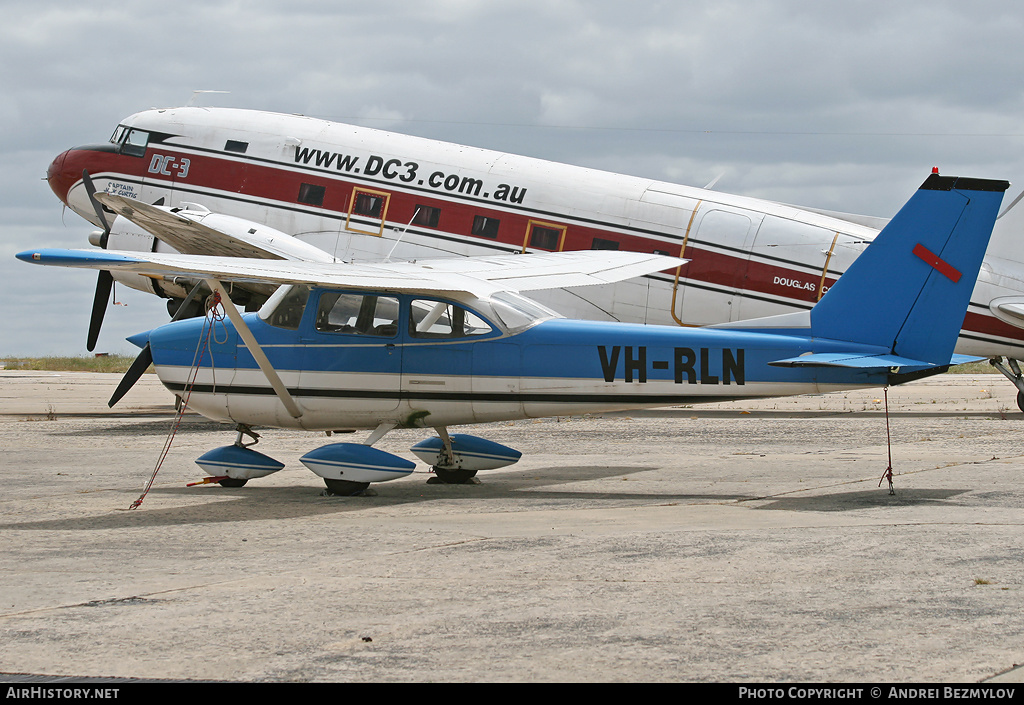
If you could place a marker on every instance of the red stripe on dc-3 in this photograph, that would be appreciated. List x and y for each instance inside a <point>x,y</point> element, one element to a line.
<point>937,262</point>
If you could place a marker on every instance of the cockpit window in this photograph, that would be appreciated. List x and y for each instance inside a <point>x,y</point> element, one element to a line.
<point>284,309</point>
<point>130,141</point>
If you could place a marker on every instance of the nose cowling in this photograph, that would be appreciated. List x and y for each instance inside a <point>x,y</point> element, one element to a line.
<point>58,177</point>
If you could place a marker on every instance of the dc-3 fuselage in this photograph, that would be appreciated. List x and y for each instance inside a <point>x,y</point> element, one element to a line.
<point>364,195</point>
<point>445,342</point>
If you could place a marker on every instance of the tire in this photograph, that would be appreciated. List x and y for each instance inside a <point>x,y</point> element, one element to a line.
<point>345,488</point>
<point>453,477</point>
<point>231,482</point>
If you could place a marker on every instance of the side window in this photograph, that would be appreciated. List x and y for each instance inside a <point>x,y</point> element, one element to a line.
<point>288,312</point>
<point>369,204</point>
<point>441,319</point>
<point>485,227</point>
<point>426,215</point>
<point>603,244</point>
<point>312,194</point>
<point>357,314</point>
<point>544,236</point>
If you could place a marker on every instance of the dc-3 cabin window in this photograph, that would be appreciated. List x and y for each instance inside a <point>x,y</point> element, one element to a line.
<point>602,244</point>
<point>368,204</point>
<point>544,236</point>
<point>311,194</point>
<point>357,314</point>
<point>485,227</point>
<point>426,216</point>
<point>441,319</point>
<point>130,141</point>
<point>236,146</point>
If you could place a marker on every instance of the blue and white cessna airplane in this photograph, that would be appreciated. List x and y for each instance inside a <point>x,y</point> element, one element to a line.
<point>440,343</point>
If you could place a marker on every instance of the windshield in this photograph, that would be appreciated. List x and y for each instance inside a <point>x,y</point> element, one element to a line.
<point>130,141</point>
<point>518,312</point>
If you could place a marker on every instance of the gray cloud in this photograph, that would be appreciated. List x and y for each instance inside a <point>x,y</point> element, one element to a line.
<point>836,105</point>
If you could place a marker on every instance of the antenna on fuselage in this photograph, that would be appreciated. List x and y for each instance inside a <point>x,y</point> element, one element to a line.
<point>196,94</point>
<point>402,234</point>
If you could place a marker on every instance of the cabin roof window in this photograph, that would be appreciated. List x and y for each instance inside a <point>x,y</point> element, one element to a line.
<point>236,146</point>
<point>311,194</point>
<point>485,227</point>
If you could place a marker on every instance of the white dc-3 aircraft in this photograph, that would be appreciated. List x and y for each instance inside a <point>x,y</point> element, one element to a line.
<point>439,343</point>
<point>293,187</point>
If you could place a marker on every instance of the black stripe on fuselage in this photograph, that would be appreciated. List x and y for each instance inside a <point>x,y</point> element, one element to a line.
<point>400,396</point>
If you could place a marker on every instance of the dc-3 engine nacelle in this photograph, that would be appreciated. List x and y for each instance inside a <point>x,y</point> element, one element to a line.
<point>250,239</point>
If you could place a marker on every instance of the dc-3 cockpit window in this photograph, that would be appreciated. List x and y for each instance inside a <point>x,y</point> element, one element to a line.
<point>130,141</point>
<point>518,312</point>
<point>284,308</point>
<point>357,314</point>
<point>442,319</point>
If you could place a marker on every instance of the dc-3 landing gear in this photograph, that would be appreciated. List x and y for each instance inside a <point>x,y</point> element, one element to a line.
<point>1011,370</point>
<point>348,469</point>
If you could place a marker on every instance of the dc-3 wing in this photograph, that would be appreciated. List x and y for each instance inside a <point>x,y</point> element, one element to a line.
<point>197,231</point>
<point>479,276</point>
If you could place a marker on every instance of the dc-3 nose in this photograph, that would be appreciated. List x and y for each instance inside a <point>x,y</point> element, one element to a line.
<point>59,178</point>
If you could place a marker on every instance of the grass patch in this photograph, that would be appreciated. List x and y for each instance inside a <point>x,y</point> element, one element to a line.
<point>105,363</point>
<point>973,368</point>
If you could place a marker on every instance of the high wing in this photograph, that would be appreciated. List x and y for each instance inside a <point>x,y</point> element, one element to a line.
<point>187,231</point>
<point>479,276</point>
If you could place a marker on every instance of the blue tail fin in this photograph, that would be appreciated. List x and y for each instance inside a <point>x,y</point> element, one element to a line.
<point>909,290</point>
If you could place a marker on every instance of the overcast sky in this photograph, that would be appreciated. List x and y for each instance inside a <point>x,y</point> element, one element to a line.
<point>845,106</point>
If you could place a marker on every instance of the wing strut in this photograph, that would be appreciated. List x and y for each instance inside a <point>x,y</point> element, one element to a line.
<point>256,350</point>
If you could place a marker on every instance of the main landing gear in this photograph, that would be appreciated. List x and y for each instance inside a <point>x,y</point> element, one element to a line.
<point>1011,370</point>
<point>348,469</point>
<point>234,465</point>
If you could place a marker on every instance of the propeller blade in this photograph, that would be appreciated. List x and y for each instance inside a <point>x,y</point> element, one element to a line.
<point>90,189</point>
<point>104,283</point>
<point>141,364</point>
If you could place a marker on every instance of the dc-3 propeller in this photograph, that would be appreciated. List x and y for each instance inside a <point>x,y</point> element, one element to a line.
<point>105,280</point>
<point>104,285</point>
